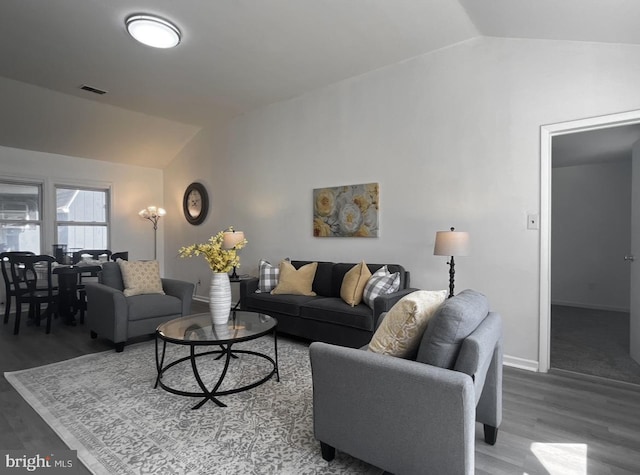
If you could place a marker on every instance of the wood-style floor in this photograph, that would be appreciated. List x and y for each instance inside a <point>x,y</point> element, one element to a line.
<point>552,424</point>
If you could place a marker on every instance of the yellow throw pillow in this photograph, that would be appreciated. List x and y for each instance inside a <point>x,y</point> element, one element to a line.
<point>353,284</point>
<point>140,277</point>
<point>295,282</point>
<point>400,332</point>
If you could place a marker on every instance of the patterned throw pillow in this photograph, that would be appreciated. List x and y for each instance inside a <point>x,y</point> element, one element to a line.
<point>141,277</point>
<point>268,275</point>
<point>401,330</point>
<point>382,282</point>
<point>353,283</point>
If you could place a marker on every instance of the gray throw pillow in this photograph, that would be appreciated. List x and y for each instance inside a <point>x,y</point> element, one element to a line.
<point>456,319</point>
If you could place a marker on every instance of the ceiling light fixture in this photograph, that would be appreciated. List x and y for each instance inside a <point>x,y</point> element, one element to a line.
<point>153,31</point>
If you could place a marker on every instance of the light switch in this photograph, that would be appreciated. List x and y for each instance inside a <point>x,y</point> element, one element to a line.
<point>533,221</point>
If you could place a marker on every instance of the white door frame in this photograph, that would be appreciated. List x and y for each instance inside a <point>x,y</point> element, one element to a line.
<point>547,132</point>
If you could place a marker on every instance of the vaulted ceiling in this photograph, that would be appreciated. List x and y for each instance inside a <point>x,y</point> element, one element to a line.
<point>235,55</point>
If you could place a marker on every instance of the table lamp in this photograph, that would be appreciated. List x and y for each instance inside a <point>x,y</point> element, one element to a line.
<point>451,243</point>
<point>230,239</point>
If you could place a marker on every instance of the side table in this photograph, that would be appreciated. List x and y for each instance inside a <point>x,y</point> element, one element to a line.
<point>237,280</point>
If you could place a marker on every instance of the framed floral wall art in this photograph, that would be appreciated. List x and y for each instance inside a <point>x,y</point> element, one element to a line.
<point>346,211</point>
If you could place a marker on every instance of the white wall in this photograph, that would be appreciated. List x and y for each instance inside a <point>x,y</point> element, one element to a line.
<point>203,160</point>
<point>50,121</point>
<point>453,139</point>
<point>591,234</point>
<point>133,188</point>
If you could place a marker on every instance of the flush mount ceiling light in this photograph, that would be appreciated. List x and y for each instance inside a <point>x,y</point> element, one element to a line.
<point>153,31</point>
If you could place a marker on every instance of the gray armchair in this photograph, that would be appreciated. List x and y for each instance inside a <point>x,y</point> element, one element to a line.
<point>116,317</point>
<point>414,417</point>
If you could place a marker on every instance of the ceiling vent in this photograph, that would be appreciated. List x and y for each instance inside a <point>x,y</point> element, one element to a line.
<point>95,90</point>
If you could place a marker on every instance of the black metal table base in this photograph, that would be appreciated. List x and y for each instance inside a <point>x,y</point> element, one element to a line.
<point>226,352</point>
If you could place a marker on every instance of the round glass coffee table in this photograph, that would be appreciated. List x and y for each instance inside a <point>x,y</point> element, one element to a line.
<point>198,331</point>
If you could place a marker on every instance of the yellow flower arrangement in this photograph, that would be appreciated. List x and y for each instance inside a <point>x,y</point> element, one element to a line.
<point>218,258</point>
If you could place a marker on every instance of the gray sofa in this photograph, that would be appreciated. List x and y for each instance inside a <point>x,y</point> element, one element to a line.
<point>118,318</point>
<point>414,417</point>
<point>325,317</point>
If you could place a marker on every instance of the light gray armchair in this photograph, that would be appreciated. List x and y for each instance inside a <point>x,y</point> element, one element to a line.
<point>116,317</point>
<point>414,417</point>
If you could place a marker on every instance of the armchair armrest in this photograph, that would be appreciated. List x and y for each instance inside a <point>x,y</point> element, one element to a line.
<point>180,289</point>
<point>247,287</point>
<point>107,311</point>
<point>481,358</point>
<point>400,415</point>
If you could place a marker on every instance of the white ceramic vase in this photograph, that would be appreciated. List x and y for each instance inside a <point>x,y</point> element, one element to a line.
<point>220,298</point>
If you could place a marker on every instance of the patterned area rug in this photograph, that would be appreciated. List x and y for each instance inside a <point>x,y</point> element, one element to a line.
<point>104,406</point>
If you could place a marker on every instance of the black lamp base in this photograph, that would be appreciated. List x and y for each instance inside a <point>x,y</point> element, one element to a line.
<point>452,274</point>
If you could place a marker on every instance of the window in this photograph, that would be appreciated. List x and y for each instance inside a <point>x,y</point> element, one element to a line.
<point>20,216</point>
<point>82,218</point>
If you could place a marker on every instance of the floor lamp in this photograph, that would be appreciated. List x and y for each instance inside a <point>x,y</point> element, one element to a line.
<point>451,243</point>
<point>153,214</point>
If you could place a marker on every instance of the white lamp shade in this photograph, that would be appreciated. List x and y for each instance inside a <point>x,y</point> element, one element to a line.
<point>452,243</point>
<point>152,212</point>
<point>231,239</point>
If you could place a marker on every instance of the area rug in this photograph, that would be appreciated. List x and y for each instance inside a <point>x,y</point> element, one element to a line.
<point>104,406</point>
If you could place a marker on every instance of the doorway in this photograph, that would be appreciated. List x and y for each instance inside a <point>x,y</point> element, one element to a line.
<point>568,313</point>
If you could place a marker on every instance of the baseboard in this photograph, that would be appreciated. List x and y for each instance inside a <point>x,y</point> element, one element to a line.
<point>566,303</point>
<point>520,363</point>
<point>597,379</point>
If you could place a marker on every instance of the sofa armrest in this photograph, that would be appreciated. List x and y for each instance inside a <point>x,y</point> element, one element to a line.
<point>180,289</point>
<point>400,415</point>
<point>247,287</point>
<point>383,303</point>
<point>107,311</point>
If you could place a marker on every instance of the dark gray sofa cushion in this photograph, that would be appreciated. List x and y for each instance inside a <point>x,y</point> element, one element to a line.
<point>281,303</point>
<point>335,310</point>
<point>455,320</point>
<point>146,306</point>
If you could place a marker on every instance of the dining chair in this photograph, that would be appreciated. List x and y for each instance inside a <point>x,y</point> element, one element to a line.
<point>83,276</point>
<point>71,295</point>
<point>9,290</point>
<point>124,255</point>
<point>90,275</point>
<point>31,276</point>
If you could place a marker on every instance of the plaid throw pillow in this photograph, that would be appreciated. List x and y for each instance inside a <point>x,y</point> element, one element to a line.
<point>268,275</point>
<point>382,282</point>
